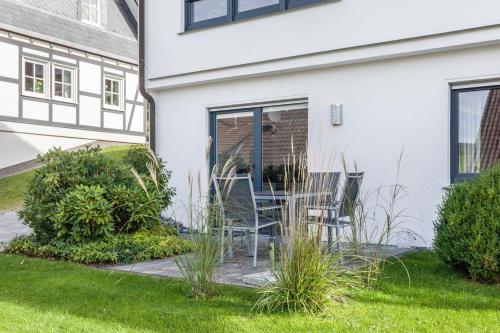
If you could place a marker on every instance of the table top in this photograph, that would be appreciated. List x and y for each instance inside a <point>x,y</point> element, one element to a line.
<point>283,195</point>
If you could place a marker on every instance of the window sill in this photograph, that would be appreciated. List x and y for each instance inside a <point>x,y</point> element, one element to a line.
<point>33,95</point>
<point>65,101</point>
<point>108,108</point>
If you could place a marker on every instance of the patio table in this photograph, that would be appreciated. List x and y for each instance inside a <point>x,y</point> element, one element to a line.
<point>291,199</point>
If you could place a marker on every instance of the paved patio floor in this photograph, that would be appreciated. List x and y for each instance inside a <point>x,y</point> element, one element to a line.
<point>10,227</point>
<point>237,271</point>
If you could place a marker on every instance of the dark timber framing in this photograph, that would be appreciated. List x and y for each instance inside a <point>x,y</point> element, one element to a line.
<point>48,57</point>
<point>233,14</point>
<point>456,176</point>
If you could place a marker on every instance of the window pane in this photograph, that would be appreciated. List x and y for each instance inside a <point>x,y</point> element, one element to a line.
<point>58,75</point>
<point>244,5</point>
<point>93,15</point>
<point>93,3</point>
<point>28,84</point>
<point>478,130</point>
<point>281,127</point>
<point>85,12</point>
<point>235,140</point>
<point>107,85</point>
<point>116,86</point>
<point>58,89</point>
<point>28,68</point>
<point>116,100</point>
<point>39,69</point>
<point>39,86</point>
<point>207,9</point>
<point>85,2</point>
<point>107,98</point>
<point>67,76</point>
<point>67,91</point>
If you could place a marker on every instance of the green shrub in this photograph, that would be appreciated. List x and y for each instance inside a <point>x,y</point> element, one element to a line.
<point>133,192</point>
<point>135,207</point>
<point>141,246</point>
<point>61,173</point>
<point>467,231</point>
<point>84,214</point>
<point>144,161</point>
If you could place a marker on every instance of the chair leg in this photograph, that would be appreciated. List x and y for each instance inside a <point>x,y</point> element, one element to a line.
<point>337,229</point>
<point>230,243</point>
<point>248,237</point>
<point>255,248</point>
<point>222,247</point>
<point>329,231</point>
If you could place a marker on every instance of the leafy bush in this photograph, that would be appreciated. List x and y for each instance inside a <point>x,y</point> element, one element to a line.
<point>116,196</point>
<point>83,214</point>
<point>61,173</point>
<point>467,231</point>
<point>146,163</point>
<point>136,207</point>
<point>143,245</point>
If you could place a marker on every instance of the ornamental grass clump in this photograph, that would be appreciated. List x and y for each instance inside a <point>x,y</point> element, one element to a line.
<point>309,276</point>
<point>205,225</point>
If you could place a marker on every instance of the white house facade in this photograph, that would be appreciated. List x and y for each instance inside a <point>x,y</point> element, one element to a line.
<point>68,76</point>
<point>422,77</point>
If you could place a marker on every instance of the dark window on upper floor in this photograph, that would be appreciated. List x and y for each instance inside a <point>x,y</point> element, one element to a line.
<point>203,13</point>
<point>475,131</point>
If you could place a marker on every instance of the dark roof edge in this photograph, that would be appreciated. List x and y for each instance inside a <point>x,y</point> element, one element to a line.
<point>66,43</point>
<point>133,8</point>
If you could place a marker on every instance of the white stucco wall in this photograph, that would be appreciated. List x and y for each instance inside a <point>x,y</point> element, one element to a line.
<point>20,142</point>
<point>332,25</point>
<point>20,147</point>
<point>388,106</point>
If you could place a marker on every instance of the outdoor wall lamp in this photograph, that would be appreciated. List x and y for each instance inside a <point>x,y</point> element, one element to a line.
<point>337,114</point>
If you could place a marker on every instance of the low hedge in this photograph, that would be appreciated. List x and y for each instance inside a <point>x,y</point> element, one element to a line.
<point>467,231</point>
<point>124,248</point>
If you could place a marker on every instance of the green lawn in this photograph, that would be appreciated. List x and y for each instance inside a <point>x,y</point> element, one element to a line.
<point>12,188</point>
<point>46,296</point>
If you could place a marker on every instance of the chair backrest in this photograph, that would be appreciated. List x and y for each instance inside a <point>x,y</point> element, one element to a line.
<point>351,193</point>
<point>324,182</point>
<point>236,196</point>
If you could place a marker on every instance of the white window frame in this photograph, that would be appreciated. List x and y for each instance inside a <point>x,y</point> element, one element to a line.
<point>99,13</point>
<point>46,78</point>
<point>121,93</point>
<point>74,80</point>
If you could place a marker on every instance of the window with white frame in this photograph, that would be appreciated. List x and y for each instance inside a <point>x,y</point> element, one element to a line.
<point>35,78</point>
<point>63,83</point>
<point>91,11</point>
<point>113,93</point>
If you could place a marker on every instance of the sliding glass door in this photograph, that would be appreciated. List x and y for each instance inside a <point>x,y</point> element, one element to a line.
<point>260,141</point>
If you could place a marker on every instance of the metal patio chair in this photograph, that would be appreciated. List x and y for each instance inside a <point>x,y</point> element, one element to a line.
<point>337,212</point>
<point>239,209</point>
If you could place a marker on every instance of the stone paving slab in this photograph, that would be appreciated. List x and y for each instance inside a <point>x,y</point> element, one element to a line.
<point>233,271</point>
<point>237,271</point>
<point>11,226</point>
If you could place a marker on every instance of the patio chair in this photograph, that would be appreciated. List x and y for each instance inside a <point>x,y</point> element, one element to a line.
<point>239,209</point>
<point>336,211</point>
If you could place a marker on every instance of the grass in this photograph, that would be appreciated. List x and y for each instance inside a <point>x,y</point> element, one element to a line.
<point>43,296</point>
<point>12,188</point>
